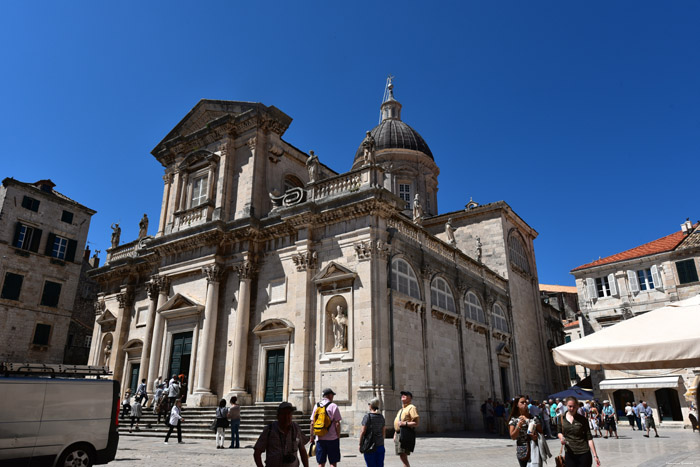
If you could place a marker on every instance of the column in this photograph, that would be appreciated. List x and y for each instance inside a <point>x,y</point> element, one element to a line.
<point>152,291</point>
<point>157,337</point>
<point>202,393</point>
<point>165,205</point>
<point>126,303</point>
<point>95,345</point>
<point>240,338</point>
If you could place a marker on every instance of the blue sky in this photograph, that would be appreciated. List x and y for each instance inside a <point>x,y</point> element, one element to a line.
<point>583,116</point>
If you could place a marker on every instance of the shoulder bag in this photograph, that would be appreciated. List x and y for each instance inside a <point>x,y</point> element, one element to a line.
<point>407,436</point>
<point>368,443</point>
<point>559,460</point>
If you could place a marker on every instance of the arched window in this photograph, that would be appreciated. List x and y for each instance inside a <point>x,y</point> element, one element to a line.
<point>475,311</point>
<point>441,295</point>
<point>499,318</point>
<point>404,279</point>
<point>518,253</point>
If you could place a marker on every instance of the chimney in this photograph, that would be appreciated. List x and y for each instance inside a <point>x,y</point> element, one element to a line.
<point>86,254</point>
<point>95,261</point>
<point>686,226</point>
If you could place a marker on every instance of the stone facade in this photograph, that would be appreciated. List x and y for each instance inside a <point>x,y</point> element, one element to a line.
<point>272,277</point>
<point>636,281</point>
<point>42,235</point>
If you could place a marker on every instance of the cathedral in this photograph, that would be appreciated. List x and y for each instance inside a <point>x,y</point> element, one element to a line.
<point>272,277</point>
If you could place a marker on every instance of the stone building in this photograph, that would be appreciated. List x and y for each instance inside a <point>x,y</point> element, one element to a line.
<point>41,232</point>
<point>82,320</point>
<point>270,277</point>
<point>636,281</point>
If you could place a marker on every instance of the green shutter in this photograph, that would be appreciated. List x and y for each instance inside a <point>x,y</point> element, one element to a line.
<point>70,250</point>
<point>36,238</point>
<point>49,244</point>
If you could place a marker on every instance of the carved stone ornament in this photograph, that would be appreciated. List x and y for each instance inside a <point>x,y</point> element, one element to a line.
<point>152,289</point>
<point>125,298</point>
<point>428,271</point>
<point>252,142</point>
<point>163,283</point>
<point>274,152</point>
<point>305,260</point>
<point>245,270</point>
<point>291,197</point>
<point>99,306</point>
<point>368,248</point>
<point>168,178</point>
<point>213,272</point>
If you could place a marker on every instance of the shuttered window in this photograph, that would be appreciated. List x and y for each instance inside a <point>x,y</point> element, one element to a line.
<point>27,237</point>
<point>12,286</point>
<point>687,272</point>
<point>51,294</point>
<point>30,203</point>
<point>42,333</point>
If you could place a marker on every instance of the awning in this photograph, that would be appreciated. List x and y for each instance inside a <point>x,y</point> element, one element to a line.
<point>641,382</point>
<point>667,337</point>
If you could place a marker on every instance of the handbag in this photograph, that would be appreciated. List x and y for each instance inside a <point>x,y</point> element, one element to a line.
<point>312,449</point>
<point>368,443</point>
<point>559,460</point>
<point>522,452</point>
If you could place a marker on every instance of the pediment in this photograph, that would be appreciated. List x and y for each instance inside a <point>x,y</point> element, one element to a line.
<point>273,326</point>
<point>207,111</point>
<point>179,302</point>
<point>197,157</point>
<point>334,271</point>
<point>106,317</point>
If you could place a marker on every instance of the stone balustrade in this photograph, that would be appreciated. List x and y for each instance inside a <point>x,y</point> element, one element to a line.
<point>127,250</point>
<point>193,216</point>
<point>343,183</point>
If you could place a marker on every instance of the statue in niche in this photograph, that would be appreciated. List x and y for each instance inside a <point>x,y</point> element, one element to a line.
<point>340,329</point>
<point>312,166</point>
<point>368,146</point>
<point>417,210</point>
<point>143,227</point>
<point>450,231</point>
<point>107,353</point>
<point>116,233</point>
<point>478,249</point>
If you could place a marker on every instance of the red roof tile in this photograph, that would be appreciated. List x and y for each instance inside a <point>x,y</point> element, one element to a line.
<point>572,324</point>
<point>663,244</point>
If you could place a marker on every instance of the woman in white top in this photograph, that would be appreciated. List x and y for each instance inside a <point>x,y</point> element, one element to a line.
<point>175,421</point>
<point>629,413</point>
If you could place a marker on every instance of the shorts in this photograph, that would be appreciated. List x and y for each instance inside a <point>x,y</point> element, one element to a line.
<point>397,446</point>
<point>650,423</point>
<point>328,450</point>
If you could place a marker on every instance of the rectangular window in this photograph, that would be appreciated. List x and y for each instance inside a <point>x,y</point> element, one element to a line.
<point>88,341</point>
<point>42,332</point>
<point>27,238</point>
<point>405,193</point>
<point>646,281</point>
<point>59,247</point>
<point>199,190</point>
<point>602,286</point>
<point>67,217</point>
<point>12,286</point>
<point>52,291</point>
<point>687,272</point>
<point>30,203</point>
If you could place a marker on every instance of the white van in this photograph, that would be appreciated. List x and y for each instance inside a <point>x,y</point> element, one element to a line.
<point>57,421</point>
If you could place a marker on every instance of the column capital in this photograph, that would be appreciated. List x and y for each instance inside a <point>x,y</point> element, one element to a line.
<point>161,282</point>
<point>168,178</point>
<point>213,272</point>
<point>99,306</point>
<point>152,288</point>
<point>245,270</point>
<point>305,260</point>
<point>125,297</point>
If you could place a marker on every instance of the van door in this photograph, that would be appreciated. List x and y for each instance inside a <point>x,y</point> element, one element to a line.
<point>21,404</point>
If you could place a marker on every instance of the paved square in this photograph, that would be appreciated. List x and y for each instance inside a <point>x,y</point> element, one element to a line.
<point>674,447</point>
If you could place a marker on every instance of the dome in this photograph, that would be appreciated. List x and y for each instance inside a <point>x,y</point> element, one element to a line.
<point>395,134</point>
<point>392,133</point>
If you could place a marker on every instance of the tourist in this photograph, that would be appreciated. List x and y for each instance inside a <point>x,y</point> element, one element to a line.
<point>136,414</point>
<point>328,444</point>
<point>126,403</point>
<point>546,420</point>
<point>638,414</point>
<point>157,397</point>
<point>376,422</point>
<point>610,419</point>
<point>575,434</point>
<point>649,419</point>
<point>156,385</point>
<point>173,391</point>
<point>407,418</point>
<point>594,422</point>
<point>175,421</point>
<point>141,391</point>
<point>162,407</point>
<point>524,428</point>
<point>221,424</point>
<point>234,416</point>
<point>629,413</point>
<point>499,412</point>
<point>281,441</point>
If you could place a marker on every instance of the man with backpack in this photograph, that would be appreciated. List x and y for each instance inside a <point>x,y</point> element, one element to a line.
<point>325,426</point>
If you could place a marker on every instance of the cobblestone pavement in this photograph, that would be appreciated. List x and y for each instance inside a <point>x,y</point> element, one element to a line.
<point>673,447</point>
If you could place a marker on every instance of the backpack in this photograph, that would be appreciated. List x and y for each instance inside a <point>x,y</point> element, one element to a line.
<point>322,422</point>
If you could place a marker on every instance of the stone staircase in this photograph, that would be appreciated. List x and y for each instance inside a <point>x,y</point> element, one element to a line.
<point>197,420</point>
